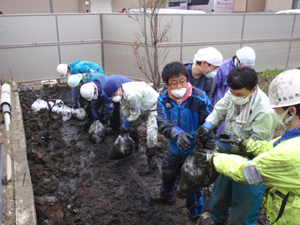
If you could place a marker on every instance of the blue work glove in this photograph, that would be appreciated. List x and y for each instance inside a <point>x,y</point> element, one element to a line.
<point>126,126</point>
<point>231,143</point>
<point>183,142</point>
<point>203,133</point>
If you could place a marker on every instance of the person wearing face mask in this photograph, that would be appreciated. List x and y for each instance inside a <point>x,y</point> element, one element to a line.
<point>138,102</point>
<point>181,109</point>
<point>203,69</point>
<point>247,114</point>
<point>94,92</point>
<point>243,57</point>
<point>275,163</point>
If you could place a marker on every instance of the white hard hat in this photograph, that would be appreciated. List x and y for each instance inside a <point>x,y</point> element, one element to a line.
<point>74,80</point>
<point>62,69</point>
<point>210,55</point>
<point>284,90</point>
<point>246,56</point>
<point>87,91</point>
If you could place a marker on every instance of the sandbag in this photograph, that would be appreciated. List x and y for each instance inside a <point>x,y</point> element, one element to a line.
<point>123,147</point>
<point>39,104</point>
<point>195,173</point>
<point>97,132</point>
<point>79,114</point>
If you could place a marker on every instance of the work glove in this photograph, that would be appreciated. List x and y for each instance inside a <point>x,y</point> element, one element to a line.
<point>203,133</point>
<point>183,142</point>
<point>231,143</point>
<point>75,106</point>
<point>126,126</point>
<point>105,120</point>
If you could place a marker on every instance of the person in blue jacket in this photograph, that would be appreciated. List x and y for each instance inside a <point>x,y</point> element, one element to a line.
<point>94,92</point>
<point>243,57</point>
<point>75,68</point>
<point>181,109</point>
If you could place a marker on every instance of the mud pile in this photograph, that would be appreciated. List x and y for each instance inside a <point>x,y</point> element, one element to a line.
<point>75,183</point>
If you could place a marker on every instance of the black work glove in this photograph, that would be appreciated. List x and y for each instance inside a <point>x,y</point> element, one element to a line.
<point>183,142</point>
<point>238,144</point>
<point>203,135</point>
<point>105,120</point>
<point>75,107</point>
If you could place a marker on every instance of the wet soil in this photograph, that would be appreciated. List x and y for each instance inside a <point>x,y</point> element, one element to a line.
<point>75,183</point>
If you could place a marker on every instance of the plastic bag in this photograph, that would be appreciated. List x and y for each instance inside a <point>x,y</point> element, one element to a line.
<point>97,132</point>
<point>195,173</point>
<point>39,104</point>
<point>123,147</point>
<point>78,114</point>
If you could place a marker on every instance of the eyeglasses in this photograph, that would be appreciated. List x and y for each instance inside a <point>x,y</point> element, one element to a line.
<point>174,85</point>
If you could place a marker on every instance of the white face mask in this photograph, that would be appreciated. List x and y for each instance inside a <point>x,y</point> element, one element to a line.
<point>178,93</point>
<point>212,74</point>
<point>95,97</point>
<point>242,64</point>
<point>280,117</point>
<point>116,98</point>
<point>240,100</point>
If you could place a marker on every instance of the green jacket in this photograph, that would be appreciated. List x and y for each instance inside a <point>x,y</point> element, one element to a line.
<point>279,167</point>
<point>260,125</point>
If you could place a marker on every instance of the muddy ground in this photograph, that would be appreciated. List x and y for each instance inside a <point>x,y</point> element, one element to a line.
<point>75,183</point>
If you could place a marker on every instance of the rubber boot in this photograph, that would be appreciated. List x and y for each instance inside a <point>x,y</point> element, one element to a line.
<point>135,137</point>
<point>152,162</point>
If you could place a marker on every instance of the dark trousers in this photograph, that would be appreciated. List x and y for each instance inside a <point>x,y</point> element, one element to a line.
<point>115,119</point>
<point>171,167</point>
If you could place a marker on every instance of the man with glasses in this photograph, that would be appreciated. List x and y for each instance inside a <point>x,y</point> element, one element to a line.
<point>243,57</point>
<point>203,69</point>
<point>245,109</point>
<point>181,109</point>
<point>138,102</point>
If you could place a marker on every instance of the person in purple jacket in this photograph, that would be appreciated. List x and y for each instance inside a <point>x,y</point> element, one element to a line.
<point>243,57</point>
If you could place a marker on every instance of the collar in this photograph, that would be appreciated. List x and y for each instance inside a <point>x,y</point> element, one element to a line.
<point>291,133</point>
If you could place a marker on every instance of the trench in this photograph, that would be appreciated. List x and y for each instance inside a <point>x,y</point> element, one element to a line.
<point>75,183</point>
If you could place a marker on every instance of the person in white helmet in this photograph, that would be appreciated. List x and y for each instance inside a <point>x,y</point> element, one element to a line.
<point>94,92</point>
<point>243,57</point>
<point>275,163</point>
<point>138,102</point>
<point>246,113</point>
<point>76,68</point>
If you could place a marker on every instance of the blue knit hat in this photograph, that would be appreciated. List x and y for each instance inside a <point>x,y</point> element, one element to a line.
<point>110,87</point>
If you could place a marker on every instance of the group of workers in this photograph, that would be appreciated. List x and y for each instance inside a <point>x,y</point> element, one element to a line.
<point>209,99</point>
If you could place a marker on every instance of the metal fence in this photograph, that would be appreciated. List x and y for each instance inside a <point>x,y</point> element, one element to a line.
<point>31,46</point>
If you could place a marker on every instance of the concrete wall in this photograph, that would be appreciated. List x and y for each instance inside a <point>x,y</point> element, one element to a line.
<point>278,5</point>
<point>101,6</point>
<point>31,46</point>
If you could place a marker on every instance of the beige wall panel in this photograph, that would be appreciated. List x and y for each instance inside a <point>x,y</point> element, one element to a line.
<point>294,57</point>
<point>27,29</point>
<point>256,6</point>
<point>268,26</point>
<point>228,51</point>
<point>270,55</point>
<point>212,27</point>
<point>277,5</point>
<point>119,59</point>
<point>87,24</point>
<point>239,5</point>
<point>296,32</point>
<point>174,55</point>
<point>84,52</point>
<point>175,33</point>
<point>119,27</point>
<point>22,62</point>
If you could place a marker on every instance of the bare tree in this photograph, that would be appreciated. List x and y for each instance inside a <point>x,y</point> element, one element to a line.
<point>149,56</point>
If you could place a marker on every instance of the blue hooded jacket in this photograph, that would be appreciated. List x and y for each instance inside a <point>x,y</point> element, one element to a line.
<point>186,117</point>
<point>85,66</point>
<point>102,97</point>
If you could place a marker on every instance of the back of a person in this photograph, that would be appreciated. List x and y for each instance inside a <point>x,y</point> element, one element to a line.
<point>85,66</point>
<point>92,76</point>
<point>146,93</point>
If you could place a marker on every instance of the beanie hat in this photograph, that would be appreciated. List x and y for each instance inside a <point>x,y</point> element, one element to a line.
<point>110,87</point>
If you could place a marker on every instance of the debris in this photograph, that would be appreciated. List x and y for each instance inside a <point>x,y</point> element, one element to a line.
<point>123,147</point>
<point>97,132</point>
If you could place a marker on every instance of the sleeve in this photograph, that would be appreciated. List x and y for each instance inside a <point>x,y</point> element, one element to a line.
<point>263,126</point>
<point>97,68</point>
<point>164,123</point>
<point>210,87</point>
<point>94,108</point>
<point>108,104</point>
<point>256,148</point>
<point>217,82</point>
<point>205,109</point>
<point>135,102</point>
<point>220,111</point>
